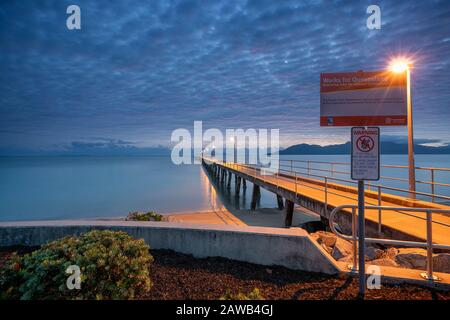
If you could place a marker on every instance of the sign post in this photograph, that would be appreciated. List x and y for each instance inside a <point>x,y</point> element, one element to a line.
<point>365,159</point>
<point>361,242</point>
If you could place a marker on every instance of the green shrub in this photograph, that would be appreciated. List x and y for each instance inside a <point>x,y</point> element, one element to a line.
<point>253,295</point>
<point>113,265</point>
<point>141,216</point>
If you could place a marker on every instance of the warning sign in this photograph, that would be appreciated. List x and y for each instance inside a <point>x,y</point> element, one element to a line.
<point>365,153</point>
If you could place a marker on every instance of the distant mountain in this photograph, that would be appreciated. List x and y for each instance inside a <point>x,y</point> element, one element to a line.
<point>89,149</point>
<point>387,147</point>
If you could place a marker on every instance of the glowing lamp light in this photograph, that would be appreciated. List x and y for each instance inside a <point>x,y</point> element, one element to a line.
<point>399,65</point>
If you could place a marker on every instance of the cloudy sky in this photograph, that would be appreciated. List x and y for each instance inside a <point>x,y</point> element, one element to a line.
<point>137,70</point>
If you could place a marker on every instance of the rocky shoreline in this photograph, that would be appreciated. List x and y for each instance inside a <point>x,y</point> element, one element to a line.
<point>411,258</point>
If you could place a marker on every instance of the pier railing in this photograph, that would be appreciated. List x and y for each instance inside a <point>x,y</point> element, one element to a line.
<point>332,169</point>
<point>322,183</point>
<point>429,245</point>
<point>288,170</point>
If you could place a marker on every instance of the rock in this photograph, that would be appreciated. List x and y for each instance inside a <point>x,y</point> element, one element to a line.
<point>315,236</point>
<point>384,262</point>
<point>373,253</point>
<point>441,262</point>
<point>414,258</point>
<point>341,249</point>
<point>326,238</point>
<point>389,253</point>
<point>348,258</point>
<point>327,249</point>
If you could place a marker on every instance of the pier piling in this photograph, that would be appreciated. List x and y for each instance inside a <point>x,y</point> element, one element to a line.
<point>255,195</point>
<point>280,202</point>
<point>289,213</point>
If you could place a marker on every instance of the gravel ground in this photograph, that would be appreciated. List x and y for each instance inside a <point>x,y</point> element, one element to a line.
<point>179,276</point>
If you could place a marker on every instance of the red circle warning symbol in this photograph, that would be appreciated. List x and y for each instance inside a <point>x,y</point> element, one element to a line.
<point>365,144</point>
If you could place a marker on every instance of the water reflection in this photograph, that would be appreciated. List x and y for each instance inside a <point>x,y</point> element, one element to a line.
<point>223,195</point>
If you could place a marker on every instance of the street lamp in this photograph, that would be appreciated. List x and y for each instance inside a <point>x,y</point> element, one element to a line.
<point>401,65</point>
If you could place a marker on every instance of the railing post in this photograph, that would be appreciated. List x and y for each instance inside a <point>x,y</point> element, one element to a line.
<point>429,274</point>
<point>379,211</point>
<point>325,211</point>
<point>278,179</point>
<point>291,166</point>
<point>309,169</point>
<point>295,176</point>
<point>432,184</point>
<point>355,245</point>
<point>332,169</point>
<point>429,245</point>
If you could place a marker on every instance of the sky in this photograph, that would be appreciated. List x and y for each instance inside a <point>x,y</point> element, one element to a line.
<point>137,70</point>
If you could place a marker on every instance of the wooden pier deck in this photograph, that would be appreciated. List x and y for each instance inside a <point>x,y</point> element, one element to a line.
<point>313,194</point>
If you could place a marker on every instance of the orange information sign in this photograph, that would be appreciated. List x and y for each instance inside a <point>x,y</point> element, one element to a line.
<point>376,98</point>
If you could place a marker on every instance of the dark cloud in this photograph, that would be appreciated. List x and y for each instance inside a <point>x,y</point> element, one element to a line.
<point>139,69</point>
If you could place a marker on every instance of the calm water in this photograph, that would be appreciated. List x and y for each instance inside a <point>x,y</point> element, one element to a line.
<point>86,187</point>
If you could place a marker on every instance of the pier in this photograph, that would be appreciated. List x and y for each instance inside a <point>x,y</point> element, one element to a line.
<point>323,195</point>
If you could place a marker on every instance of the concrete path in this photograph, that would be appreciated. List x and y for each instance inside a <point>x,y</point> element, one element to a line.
<point>222,217</point>
<point>264,217</point>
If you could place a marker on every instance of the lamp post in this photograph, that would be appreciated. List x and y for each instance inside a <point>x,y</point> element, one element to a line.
<point>399,66</point>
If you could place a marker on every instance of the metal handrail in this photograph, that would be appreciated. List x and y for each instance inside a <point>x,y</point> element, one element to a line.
<point>383,166</point>
<point>382,177</point>
<point>431,183</point>
<point>429,245</point>
<point>355,182</point>
<point>312,175</point>
<point>425,194</point>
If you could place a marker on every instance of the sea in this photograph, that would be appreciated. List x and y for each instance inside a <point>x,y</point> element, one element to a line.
<point>41,188</point>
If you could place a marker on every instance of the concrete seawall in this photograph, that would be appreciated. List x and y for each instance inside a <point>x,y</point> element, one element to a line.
<point>291,248</point>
